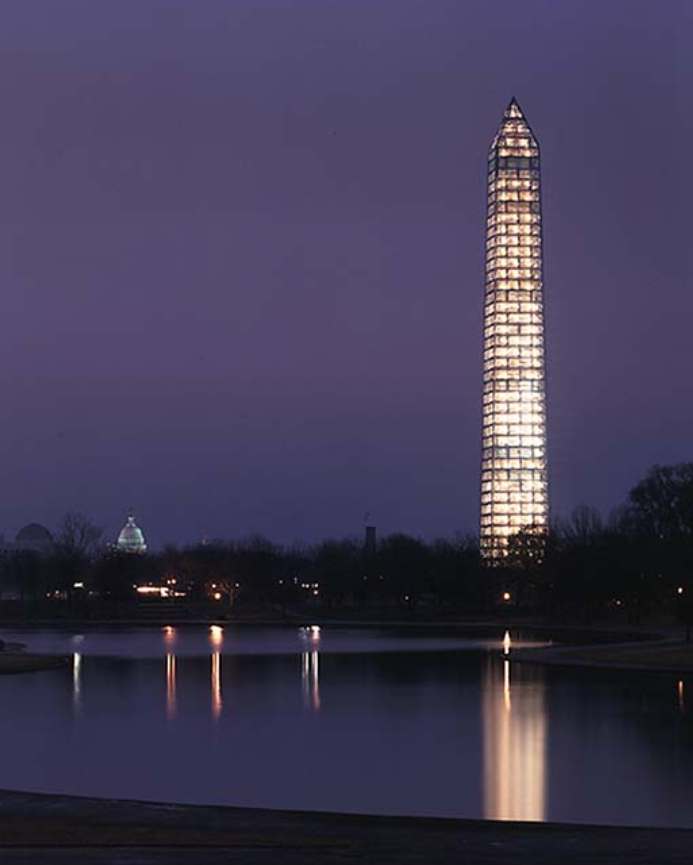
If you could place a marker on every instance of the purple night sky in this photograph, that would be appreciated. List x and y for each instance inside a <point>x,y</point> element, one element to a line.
<point>241,256</point>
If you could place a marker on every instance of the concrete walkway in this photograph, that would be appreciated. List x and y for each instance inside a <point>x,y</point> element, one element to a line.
<point>47,830</point>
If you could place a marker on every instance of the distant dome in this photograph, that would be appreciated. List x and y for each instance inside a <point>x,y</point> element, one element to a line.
<point>34,535</point>
<point>131,539</point>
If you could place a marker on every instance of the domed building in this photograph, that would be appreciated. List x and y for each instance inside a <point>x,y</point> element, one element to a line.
<point>131,538</point>
<point>33,536</point>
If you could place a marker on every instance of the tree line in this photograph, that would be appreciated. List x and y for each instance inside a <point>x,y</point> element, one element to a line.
<point>636,563</point>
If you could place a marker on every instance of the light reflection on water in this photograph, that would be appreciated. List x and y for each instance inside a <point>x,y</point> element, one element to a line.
<point>170,685</point>
<point>350,719</point>
<point>310,667</point>
<point>514,725</point>
<point>76,679</point>
<point>216,685</point>
<point>310,676</point>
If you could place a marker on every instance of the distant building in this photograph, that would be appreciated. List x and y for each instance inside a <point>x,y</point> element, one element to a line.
<point>370,543</point>
<point>131,538</point>
<point>33,538</point>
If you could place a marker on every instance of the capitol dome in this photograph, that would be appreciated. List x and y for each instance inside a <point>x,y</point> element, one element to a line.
<point>131,539</point>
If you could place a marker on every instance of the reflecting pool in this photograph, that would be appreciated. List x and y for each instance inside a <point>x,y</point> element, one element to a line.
<point>425,721</point>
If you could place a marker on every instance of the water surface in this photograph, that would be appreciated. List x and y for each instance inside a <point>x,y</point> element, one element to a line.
<point>425,721</point>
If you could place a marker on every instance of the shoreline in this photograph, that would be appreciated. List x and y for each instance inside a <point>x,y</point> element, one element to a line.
<point>663,655</point>
<point>635,632</point>
<point>15,662</point>
<point>603,646</point>
<point>43,828</point>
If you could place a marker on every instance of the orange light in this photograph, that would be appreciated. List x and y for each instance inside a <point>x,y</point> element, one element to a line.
<point>217,596</point>
<point>170,685</point>
<point>506,596</point>
<point>216,685</point>
<point>158,591</point>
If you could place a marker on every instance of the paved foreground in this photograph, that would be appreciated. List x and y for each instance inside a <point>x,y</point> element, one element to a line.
<point>47,830</point>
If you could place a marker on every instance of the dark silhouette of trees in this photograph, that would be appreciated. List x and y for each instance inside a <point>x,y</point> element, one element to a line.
<point>114,575</point>
<point>24,573</point>
<point>524,566</point>
<point>636,563</point>
<point>338,569</point>
<point>661,504</point>
<point>455,575</point>
<point>405,564</point>
<point>76,544</point>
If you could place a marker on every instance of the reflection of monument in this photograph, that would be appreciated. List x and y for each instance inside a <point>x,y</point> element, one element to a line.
<point>514,722</point>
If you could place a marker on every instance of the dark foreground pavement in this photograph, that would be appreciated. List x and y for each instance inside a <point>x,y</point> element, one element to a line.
<point>47,830</point>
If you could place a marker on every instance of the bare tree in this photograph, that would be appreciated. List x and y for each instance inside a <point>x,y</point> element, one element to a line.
<point>78,535</point>
<point>77,543</point>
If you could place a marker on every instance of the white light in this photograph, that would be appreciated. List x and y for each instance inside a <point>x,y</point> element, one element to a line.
<point>158,591</point>
<point>76,679</point>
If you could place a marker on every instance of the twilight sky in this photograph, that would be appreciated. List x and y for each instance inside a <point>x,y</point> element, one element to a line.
<point>241,255</point>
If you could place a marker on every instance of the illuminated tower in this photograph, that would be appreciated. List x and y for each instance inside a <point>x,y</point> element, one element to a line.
<point>514,493</point>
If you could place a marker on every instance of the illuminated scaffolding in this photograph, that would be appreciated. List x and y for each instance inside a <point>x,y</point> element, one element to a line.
<point>514,494</point>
